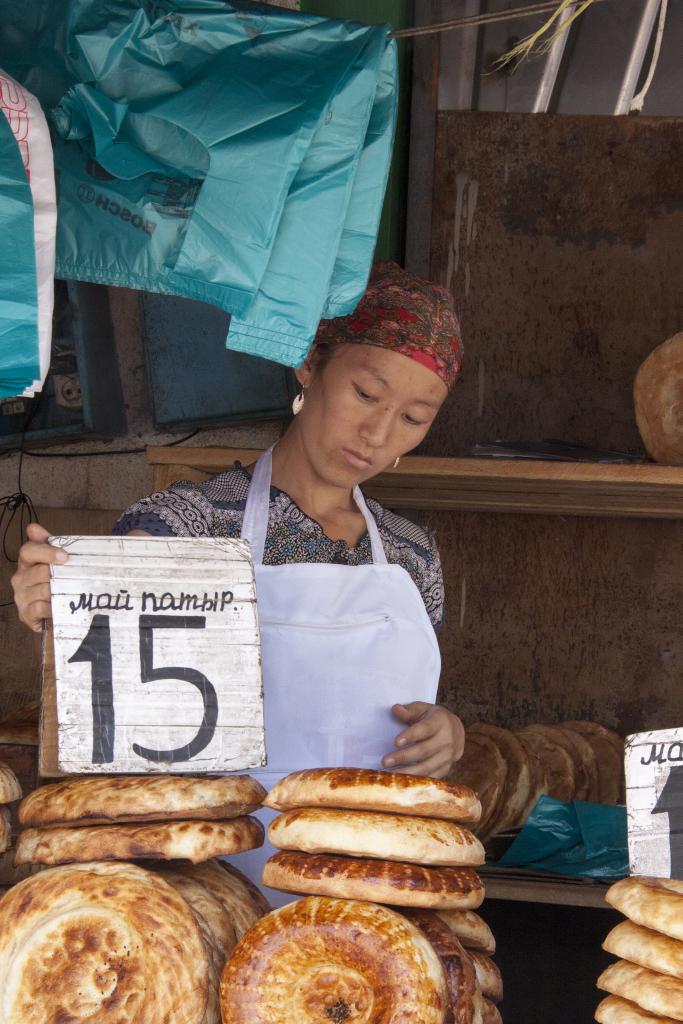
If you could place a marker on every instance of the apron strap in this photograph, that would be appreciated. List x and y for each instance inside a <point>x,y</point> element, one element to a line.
<point>255,521</point>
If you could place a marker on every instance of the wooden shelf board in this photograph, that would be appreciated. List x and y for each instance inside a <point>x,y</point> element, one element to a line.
<point>519,886</point>
<point>490,485</point>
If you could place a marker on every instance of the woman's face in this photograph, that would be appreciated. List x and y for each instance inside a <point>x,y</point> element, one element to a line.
<point>364,407</point>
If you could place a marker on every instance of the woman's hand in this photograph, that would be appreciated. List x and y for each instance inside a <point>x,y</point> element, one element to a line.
<point>434,739</point>
<point>31,581</point>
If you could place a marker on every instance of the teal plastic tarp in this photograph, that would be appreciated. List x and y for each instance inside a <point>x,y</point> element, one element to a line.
<point>230,152</point>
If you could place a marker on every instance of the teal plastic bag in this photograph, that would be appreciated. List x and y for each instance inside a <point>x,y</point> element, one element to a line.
<point>230,152</point>
<point>19,355</point>
<point>578,838</point>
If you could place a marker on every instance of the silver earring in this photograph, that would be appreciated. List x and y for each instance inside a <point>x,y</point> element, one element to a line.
<point>397,461</point>
<point>298,403</point>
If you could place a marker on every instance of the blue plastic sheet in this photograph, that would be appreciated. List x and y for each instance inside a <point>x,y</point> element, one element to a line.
<point>572,839</point>
<point>19,355</point>
<point>230,152</point>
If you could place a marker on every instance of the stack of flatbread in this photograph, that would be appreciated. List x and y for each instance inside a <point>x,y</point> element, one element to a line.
<point>129,945</point>
<point>646,983</point>
<point>379,836</point>
<point>10,790</point>
<point>130,817</point>
<point>509,770</point>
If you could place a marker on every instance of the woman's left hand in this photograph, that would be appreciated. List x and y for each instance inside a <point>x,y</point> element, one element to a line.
<point>434,739</point>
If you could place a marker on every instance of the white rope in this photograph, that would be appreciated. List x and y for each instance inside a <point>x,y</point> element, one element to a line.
<point>638,101</point>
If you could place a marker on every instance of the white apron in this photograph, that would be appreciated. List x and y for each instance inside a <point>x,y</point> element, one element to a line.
<point>340,644</point>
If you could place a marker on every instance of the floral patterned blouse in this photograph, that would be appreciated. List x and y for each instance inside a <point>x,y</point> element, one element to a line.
<point>215,509</point>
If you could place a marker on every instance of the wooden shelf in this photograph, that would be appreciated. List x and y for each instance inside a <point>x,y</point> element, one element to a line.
<point>532,887</point>
<point>487,485</point>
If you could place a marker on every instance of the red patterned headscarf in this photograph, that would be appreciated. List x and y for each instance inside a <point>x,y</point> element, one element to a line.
<point>405,314</point>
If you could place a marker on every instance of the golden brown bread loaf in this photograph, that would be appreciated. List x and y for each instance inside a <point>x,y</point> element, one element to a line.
<point>426,841</point>
<point>482,767</point>
<point>586,781</point>
<point>241,899</point>
<point>609,753</point>
<point>355,878</point>
<point>104,943</point>
<point>473,932</point>
<point>333,960</point>
<point>511,808</point>
<point>647,948</point>
<point>655,903</point>
<point>657,993</point>
<point>464,994</point>
<point>364,790</point>
<point>613,1010</point>
<point>9,785</point>
<point>129,798</point>
<point>557,762</point>
<point>488,976</point>
<point>658,397</point>
<point>5,829</point>
<point>192,840</point>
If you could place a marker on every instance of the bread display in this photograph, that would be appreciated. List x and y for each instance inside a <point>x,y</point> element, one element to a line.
<point>322,959</point>
<point>426,841</point>
<point>646,983</point>
<point>111,943</point>
<point>363,790</point>
<point>575,760</point>
<point>658,397</point>
<point>113,799</point>
<point>191,840</point>
<point>381,881</point>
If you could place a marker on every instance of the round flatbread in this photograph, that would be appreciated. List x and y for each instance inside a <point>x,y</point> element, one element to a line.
<point>354,878</point>
<point>488,976</point>
<point>361,789</point>
<point>110,943</point>
<point>609,753</point>
<point>613,1010</point>
<point>464,996</point>
<point>490,1013</point>
<point>208,908</point>
<point>514,799</point>
<point>657,993</point>
<point>472,931</point>
<point>338,960</point>
<point>658,401</point>
<point>586,780</point>
<point>557,762</point>
<point>241,899</point>
<point>646,948</point>
<point>192,840</point>
<point>427,841</point>
<point>129,798</point>
<point>482,768</point>
<point>655,903</point>
<point>9,785</point>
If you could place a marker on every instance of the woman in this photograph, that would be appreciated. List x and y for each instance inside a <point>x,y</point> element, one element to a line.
<point>349,595</point>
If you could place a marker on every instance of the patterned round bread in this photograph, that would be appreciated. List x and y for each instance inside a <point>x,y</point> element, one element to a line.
<point>613,1010</point>
<point>241,899</point>
<point>361,789</point>
<point>356,878</point>
<point>586,779</point>
<point>333,960</point>
<point>647,948</point>
<point>558,763</point>
<point>192,840</point>
<point>123,798</point>
<point>111,943</point>
<point>5,829</point>
<point>658,993</point>
<point>655,903</point>
<point>427,841</point>
<point>658,398</point>
<point>464,994</point>
<point>609,754</point>
<point>473,932</point>
<point>488,976</point>
<point>9,785</point>
<point>511,809</point>
<point>482,767</point>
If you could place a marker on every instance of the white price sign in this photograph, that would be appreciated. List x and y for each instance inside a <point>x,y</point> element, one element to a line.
<point>654,802</point>
<point>156,662</point>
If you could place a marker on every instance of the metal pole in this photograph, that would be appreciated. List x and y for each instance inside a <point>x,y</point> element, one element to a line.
<point>552,64</point>
<point>635,63</point>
